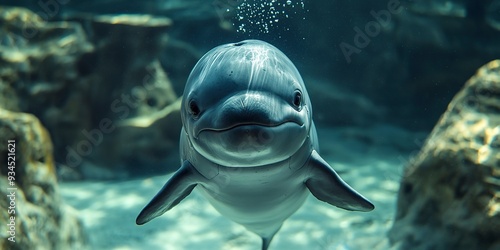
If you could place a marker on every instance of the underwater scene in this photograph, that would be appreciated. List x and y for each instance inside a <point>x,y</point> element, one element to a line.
<point>246,124</point>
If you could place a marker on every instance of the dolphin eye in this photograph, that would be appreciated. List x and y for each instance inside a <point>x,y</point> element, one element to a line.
<point>194,110</point>
<point>297,99</point>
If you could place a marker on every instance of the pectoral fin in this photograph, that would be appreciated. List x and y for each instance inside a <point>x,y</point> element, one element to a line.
<point>174,191</point>
<point>326,185</point>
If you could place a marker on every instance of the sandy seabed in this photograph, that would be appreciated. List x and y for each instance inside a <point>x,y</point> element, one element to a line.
<point>372,164</point>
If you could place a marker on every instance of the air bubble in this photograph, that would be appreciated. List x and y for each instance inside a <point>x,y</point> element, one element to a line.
<point>263,16</point>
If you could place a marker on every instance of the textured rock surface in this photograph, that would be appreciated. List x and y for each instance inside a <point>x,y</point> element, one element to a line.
<point>81,82</point>
<point>450,194</point>
<point>186,9</point>
<point>129,83</point>
<point>42,221</point>
<point>144,143</point>
<point>38,62</point>
<point>125,64</point>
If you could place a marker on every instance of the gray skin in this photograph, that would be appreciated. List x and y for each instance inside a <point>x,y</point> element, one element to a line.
<point>248,142</point>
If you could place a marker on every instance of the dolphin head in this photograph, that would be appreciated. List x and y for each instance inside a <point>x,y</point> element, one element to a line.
<point>245,105</point>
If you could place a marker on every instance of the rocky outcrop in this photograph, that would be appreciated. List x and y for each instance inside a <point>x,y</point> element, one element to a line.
<point>450,194</point>
<point>125,65</point>
<point>82,77</point>
<point>177,9</point>
<point>32,208</point>
<point>128,83</point>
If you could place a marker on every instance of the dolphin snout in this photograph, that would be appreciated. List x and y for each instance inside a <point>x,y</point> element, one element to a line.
<point>247,109</point>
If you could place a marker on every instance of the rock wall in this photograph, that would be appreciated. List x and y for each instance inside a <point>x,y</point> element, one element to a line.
<point>31,205</point>
<point>450,194</point>
<point>82,78</point>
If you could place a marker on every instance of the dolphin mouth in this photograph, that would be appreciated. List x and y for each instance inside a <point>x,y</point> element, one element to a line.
<point>247,124</point>
<point>251,143</point>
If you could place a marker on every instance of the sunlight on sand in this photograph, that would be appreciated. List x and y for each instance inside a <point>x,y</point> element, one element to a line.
<point>109,209</point>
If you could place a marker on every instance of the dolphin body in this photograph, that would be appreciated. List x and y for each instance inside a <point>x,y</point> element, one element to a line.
<point>248,142</point>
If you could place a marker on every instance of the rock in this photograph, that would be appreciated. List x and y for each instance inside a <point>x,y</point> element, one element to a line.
<point>126,65</point>
<point>483,11</point>
<point>129,83</point>
<point>177,9</point>
<point>33,55</point>
<point>81,82</point>
<point>41,74</point>
<point>145,145</point>
<point>449,195</point>
<point>42,220</point>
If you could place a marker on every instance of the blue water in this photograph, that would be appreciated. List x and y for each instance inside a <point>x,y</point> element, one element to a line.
<point>379,75</point>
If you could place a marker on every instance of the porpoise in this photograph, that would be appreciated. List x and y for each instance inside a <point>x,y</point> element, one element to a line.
<point>248,142</point>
